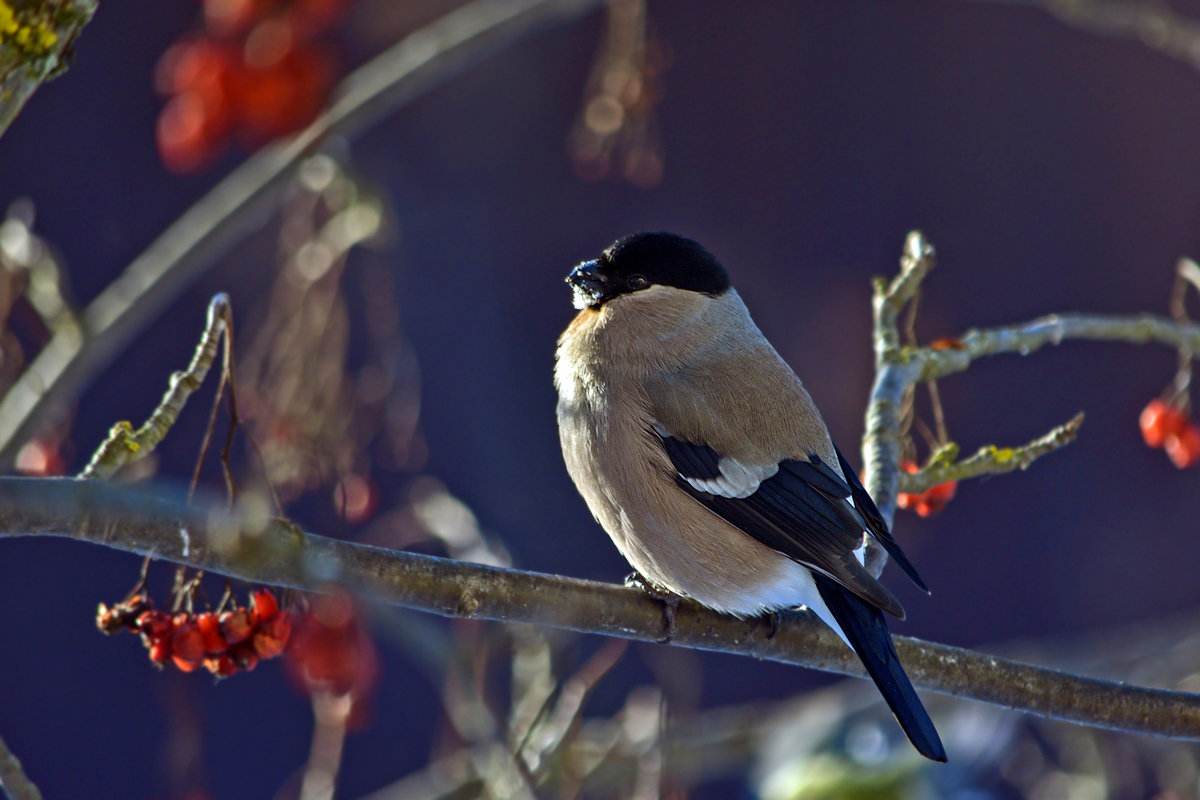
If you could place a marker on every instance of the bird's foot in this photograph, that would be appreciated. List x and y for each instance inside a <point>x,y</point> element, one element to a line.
<point>775,618</point>
<point>669,599</point>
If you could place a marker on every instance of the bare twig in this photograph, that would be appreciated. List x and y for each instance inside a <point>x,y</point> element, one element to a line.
<point>992,460</point>
<point>898,368</point>
<point>124,444</point>
<point>13,780</point>
<point>883,441</point>
<point>1028,337</point>
<point>243,200</point>
<point>36,42</point>
<point>267,551</point>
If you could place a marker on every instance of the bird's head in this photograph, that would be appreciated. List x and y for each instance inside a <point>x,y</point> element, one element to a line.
<point>644,260</point>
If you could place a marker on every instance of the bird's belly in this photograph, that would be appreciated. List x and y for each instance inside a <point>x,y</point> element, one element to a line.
<point>668,537</point>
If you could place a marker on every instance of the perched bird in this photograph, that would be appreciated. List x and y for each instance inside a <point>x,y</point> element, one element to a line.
<point>701,454</point>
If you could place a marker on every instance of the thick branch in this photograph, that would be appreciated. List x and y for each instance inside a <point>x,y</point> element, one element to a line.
<point>273,552</point>
<point>241,201</point>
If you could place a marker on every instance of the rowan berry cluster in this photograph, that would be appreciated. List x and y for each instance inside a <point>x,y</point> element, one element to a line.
<point>1168,426</point>
<point>257,71</point>
<point>223,643</point>
<point>930,501</point>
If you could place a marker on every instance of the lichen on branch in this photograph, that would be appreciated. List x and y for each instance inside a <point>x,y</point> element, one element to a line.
<point>37,39</point>
<point>124,444</point>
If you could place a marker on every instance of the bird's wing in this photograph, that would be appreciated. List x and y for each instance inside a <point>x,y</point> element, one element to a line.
<point>798,506</point>
<point>875,522</point>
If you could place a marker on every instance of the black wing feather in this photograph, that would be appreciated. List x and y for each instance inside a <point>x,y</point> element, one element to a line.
<point>867,631</point>
<point>875,524</point>
<point>801,511</point>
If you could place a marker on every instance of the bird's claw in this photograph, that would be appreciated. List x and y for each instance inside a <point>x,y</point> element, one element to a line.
<point>669,599</point>
<point>775,618</point>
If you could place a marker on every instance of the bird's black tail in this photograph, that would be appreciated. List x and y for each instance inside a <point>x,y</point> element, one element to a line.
<point>864,625</point>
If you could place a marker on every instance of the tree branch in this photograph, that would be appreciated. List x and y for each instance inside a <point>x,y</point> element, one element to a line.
<point>899,368</point>
<point>240,202</point>
<point>992,460</point>
<point>13,780</point>
<point>267,551</point>
<point>124,444</point>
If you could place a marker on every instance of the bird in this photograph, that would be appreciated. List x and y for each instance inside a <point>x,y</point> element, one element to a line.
<point>701,454</point>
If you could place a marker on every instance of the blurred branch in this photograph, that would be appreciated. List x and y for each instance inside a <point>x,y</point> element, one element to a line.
<point>37,39</point>
<point>898,368</point>
<point>731,740</point>
<point>1155,24</point>
<point>13,780</point>
<point>245,198</point>
<point>992,460</point>
<point>269,551</point>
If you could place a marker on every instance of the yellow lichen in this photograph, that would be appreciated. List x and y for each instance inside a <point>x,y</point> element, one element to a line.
<point>32,38</point>
<point>8,20</point>
<point>1002,455</point>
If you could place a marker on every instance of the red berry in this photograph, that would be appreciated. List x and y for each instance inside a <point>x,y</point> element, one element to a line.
<point>196,64</point>
<point>210,629</point>
<point>332,651</point>
<point>929,502</point>
<point>1159,420</point>
<point>187,643</point>
<point>1183,448</point>
<point>244,656</point>
<point>221,666</point>
<point>160,651</point>
<point>272,636</point>
<point>155,624</point>
<point>263,605</point>
<point>282,89</point>
<point>40,457</point>
<point>191,131</point>
<point>236,626</point>
<point>184,665</point>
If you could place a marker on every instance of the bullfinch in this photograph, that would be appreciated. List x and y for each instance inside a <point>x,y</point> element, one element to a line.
<point>699,451</point>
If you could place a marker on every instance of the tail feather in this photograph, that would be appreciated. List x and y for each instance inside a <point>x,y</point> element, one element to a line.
<point>863,625</point>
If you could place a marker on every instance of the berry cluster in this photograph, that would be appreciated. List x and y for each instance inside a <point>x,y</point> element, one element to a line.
<point>331,652</point>
<point>225,643</point>
<point>930,501</point>
<point>1168,426</point>
<point>257,71</point>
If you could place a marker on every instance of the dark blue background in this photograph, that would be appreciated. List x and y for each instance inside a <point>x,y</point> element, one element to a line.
<point>1054,170</point>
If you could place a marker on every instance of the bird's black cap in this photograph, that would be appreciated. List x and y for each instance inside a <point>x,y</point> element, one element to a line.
<point>642,260</point>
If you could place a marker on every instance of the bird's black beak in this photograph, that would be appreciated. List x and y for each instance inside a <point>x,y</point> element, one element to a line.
<point>588,285</point>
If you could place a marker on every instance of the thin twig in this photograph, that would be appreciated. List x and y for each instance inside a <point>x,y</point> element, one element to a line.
<point>13,780</point>
<point>899,368</point>
<point>1028,337</point>
<point>275,552</point>
<point>992,460</point>
<point>243,200</point>
<point>124,444</point>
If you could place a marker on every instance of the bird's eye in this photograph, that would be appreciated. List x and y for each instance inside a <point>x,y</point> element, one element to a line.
<point>636,282</point>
